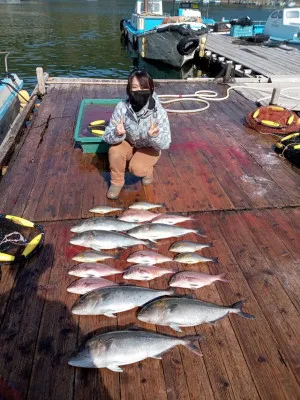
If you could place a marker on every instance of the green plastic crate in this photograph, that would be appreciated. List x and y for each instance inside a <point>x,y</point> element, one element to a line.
<point>91,110</point>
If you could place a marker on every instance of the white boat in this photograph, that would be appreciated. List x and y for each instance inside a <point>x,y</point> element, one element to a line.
<point>284,25</point>
<point>10,85</point>
<point>160,37</point>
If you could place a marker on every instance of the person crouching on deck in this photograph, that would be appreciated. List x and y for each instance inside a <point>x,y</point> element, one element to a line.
<point>138,130</point>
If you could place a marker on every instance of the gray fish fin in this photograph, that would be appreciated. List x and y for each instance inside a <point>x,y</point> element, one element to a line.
<point>111,315</point>
<point>175,327</point>
<point>149,245</point>
<point>239,306</point>
<point>114,368</point>
<point>199,232</point>
<point>216,320</point>
<point>189,343</point>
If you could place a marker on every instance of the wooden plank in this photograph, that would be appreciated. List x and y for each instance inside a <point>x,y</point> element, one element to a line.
<point>56,179</point>
<point>283,263</point>
<point>43,167</point>
<point>57,328</point>
<point>271,371</point>
<point>20,323</point>
<point>277,308</point>
<point>11,184</point>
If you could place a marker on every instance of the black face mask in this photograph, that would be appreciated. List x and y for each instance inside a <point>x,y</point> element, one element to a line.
<point>139,98</point>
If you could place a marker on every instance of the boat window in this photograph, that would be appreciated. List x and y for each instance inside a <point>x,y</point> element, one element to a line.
<point>274,15</point>
<point>292,14</point>
<point>280,14</point>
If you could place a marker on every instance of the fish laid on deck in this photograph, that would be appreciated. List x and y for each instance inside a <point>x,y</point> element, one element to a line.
<point>104,209</point>
<point>146,272</point>
<point>93,256</point>
<point>93,270</point>
<point>115,299</point>
<point>186,246</point>
<point>177,312</point>
<point>103,224</point>
<point>148,257</point>
<point>160,231</point>
<point>110,350</point>
<point>85,285</point>
<point>105,240</point>
<point>193,258</point>
<point>138,216</point>
<point>195,280</point>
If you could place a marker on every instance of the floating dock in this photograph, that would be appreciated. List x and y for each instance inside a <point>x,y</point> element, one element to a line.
<point>240,192</point>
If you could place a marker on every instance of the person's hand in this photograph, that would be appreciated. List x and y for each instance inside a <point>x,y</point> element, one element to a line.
<point>153,130</point>
<point>120,130</point>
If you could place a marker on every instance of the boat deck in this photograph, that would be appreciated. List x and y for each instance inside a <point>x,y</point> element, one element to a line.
<point>259,59</point>
<point>244,197</point>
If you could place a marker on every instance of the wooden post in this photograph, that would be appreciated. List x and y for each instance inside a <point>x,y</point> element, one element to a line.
<point>227,75</point>
<point>275,96</point>
<point>146,6</point>
<point>41,81</point>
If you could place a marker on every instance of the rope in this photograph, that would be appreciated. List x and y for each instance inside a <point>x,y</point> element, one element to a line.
<point>206,96</point>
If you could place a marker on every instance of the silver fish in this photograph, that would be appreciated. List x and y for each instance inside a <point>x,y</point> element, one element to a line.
<point>85,285</point>
<point>110,350</point>
<point>143,205</point>
<point>104,209</point>
<point>103,224</point>
<point>171,219</point>
<point>193,258</point>
<point>92,256</point>
<point>148,257</point>
<point>182,311</point>
<point>93,270</point>
<point>146,272</point>
<point>138,216</point>
<point>185,246</point>
<point>195,280</point>
<point>100,240</point>
<point>160,231</point>
<point>115,299</point>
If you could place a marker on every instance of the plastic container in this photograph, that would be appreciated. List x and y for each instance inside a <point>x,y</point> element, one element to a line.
<point>91,110</point>
<point>241,31</point>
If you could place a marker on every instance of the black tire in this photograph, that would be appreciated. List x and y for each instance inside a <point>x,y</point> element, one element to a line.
<point>187,45</point>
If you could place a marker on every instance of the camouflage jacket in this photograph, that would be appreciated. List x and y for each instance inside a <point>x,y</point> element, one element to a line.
<point>137,124</point>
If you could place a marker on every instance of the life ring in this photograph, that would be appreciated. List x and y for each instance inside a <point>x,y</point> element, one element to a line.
<point>187,45</point>
<point>19,238</point>
<point>273,119</point>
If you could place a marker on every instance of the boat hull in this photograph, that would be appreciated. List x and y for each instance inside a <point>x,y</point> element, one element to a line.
<point>9,104</point>
<point>160,46</point>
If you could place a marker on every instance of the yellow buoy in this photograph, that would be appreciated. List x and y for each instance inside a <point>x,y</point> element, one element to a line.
<point>97,132</point>
<point>98,122</point>
<point>255,114</point>
<point>271,124</point>
<point>290,120</point>
<point>23,96</point>
<point>276,108</point>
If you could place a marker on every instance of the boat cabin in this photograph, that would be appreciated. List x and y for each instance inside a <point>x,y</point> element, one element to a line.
<point>284,24</point>
<point>189,9</point>
<point>147,15</point>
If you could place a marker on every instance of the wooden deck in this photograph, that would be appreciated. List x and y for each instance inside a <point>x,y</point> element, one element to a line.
<point>260,59</point>
<point>245,198</point>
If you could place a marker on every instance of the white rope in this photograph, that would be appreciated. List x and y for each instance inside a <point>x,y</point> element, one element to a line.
<point>205,96</point>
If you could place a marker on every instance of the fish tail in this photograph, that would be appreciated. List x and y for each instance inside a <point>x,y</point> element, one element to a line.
<point>221,277</point>
<point>214,260</point>
<point>199,232</point>
<point>239,306</point>
<point>209,244</point>
<point>174,268</point>
<point>189,343</point>
<point>116,256</point>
